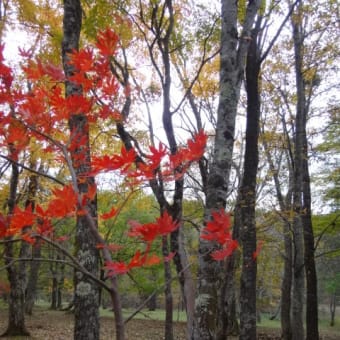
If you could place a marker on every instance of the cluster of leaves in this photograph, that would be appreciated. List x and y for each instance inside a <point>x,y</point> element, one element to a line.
<point>42,112</point>
<point>218,230</point>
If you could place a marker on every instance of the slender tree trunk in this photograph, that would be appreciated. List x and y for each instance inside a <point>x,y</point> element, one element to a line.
<point>16,304</point>
<point>185,276</point>
<point>31,289</point>
<point>32,279</point>
<point>285,206</point>
<point>233,55</point>
<point>60,284</point>
<point>54,292</point>
<point>286,285</point>
<point>298,260</point>
<point>302,196</point>
<point>86,300</point>
<point>168,335</point>
<point>228,320</point>
<point>248,193</point>
<point>332,308</point>
<point>312,331</point>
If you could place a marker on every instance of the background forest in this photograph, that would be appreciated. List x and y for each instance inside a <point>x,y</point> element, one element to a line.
<point>171,154</point>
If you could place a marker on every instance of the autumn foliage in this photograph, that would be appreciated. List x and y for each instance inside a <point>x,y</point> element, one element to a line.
<point>40,113</point>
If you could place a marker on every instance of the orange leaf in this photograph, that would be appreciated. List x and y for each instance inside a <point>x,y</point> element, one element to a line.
<point>109,214</point>
<point>152,260</point>
<point>27,238</point>
<point>115,268</point>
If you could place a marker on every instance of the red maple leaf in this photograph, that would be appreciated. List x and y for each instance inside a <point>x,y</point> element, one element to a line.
<point>147,232</point>
<point>152,260</point>
<point>227,250</point>
<point>166,224</point>
<point>21,218</point>
<point>78,104</point>
<point>44,226</point>
<point>107,42</point>
<point>196,146</point>
<point>115,162</point>
<point>137,260</point>
<point>218,230</point>
<point>64,202</point>
<point>82,60</point>
<point>27,238</point>
<point>109,214</point>
<point>115,268</point>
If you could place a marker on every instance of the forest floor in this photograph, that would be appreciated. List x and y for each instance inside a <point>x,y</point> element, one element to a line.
<point>58,325</point>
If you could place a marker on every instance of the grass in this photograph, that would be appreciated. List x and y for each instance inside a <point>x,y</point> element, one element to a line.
<point>159,315</point>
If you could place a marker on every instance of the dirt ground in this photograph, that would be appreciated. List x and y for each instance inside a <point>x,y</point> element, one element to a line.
<point>45,325</point>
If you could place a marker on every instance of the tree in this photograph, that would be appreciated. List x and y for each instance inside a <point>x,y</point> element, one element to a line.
<point>69,200</point>
<point>86,291</point>
<point>233,54</point>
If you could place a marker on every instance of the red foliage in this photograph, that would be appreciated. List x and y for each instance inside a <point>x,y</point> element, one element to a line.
<point>218,229</point>
<point>115,268</point>
<point>43,112</point>
<point>109,214</point>
<point>20,219</point>
<point>149,231</point>
<point>63,204</point>
<point>107,42</point>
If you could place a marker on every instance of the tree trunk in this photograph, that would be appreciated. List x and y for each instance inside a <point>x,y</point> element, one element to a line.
<point>302,195</point>
<point>233,55</point>
<point>185,276</point>
<point>168,335</point>
<point>300,123</point>
<point>285,206</point>
<point>60,284</point>
<point>312,331</point>
<point>16,307</point>
<point>31,289</point>
<point>286,285</point>
<point>248,193</point>
<point>332,308</point>
<point>54,292</point>
<point>31,280</point>
<point>86,300</point>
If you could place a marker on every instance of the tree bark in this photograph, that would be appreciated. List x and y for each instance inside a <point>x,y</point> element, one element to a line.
<point>332,308</point>
<point>233,55</point>
<point>300,124</point>
<point>228,319</point>
<point>16,304</point>
<point>248,193</point>
<point>86,300</point>
<point>302,195</point>
<point>32,279</point>
<point>312,321</point>
<point>31,289</point>
<point>168,334</point>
